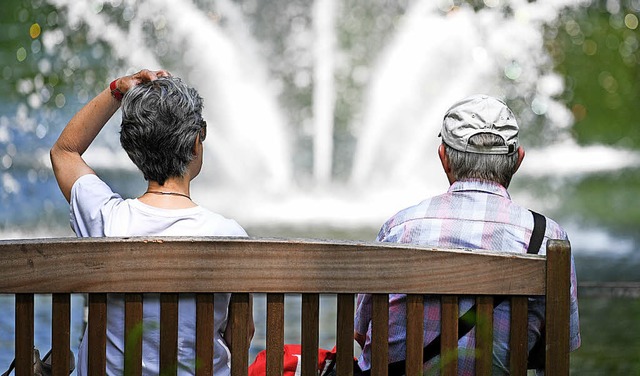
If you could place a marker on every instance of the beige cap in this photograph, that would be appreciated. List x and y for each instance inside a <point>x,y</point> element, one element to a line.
<point>480,114</point>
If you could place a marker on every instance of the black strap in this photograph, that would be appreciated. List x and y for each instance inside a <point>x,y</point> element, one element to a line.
<point>537,235</point>
<point>467,321</point>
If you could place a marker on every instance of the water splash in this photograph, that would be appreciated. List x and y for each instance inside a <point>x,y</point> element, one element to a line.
<point>248,144</point>
<point>439,55</point>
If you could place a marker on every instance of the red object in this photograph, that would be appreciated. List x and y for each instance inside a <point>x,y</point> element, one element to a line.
<point>292,356</point>
<point>115,92</point>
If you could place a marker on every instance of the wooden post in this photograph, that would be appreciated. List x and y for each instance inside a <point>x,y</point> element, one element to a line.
<point>239,316</point>
<point>415,334</point>
<point>97,332</point>
<point>557,307</point>
<point>518,342</point>
<point>310,334</point>
<point>60,333</point>
<point>24,334</point>
<point>133,334</point>
<point>275,334</point>
<point>344,334</point>
<point>204,334</point>
<point>168,334</point>
<point>484,335</point>
<point>380,335</point>
<point>449,335</point>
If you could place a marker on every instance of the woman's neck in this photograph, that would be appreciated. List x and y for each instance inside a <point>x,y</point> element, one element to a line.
<point>173,194</point>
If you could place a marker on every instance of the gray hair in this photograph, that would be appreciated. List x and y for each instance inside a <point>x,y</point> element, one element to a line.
<point>160,122</point>
<point>496,168</point>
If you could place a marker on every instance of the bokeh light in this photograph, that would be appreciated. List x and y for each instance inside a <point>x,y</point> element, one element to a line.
<point>34,31</point>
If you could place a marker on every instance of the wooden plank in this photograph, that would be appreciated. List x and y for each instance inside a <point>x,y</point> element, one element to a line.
<point>97,332</point>
<point>239,316</point>
<point>449,335</point>
<point>168,334</point>
<point>204,334</point>
<point>24,335</point>
<point>380,335</point>
<point>415,334</point>
<point>247,265</point>
<point>518,341</point>
<point>310,334</point>
<point>484,335</point>
<point>275,334</point>
<point>60,333</point>
<point>557,307</point>
<point>344,334</point>
<point>133,334</point>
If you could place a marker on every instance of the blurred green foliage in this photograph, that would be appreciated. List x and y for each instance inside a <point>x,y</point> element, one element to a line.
<point>609,346</point>
<point>48,63</point>
<point>598,53</point>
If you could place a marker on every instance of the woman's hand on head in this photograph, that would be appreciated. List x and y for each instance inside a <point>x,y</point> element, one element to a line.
<point>84,126</point>
<point>127,82</point>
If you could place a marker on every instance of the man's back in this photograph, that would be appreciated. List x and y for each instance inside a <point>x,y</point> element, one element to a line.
<point>473,214</point>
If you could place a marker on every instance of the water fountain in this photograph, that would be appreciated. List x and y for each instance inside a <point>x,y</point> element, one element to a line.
<point>438,53</point>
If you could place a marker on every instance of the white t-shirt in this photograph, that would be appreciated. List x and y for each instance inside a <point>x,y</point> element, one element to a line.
<point>96,211</point>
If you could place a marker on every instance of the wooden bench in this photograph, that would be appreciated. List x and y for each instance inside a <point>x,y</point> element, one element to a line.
<point>171,266</point>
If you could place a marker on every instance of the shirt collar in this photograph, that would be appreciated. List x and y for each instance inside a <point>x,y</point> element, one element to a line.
<point>485,186</point>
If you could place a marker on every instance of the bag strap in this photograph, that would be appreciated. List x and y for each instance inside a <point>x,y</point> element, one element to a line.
<point>42,366</point>
<point>467,321</point>
<point>537,235</point>
<point>11,367</point>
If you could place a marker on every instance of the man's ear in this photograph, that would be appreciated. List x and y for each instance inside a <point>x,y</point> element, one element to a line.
<point>521,153</point>
<point>444,160</point>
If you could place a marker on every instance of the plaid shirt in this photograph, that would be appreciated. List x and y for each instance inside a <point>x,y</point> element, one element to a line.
<point>472,215</point>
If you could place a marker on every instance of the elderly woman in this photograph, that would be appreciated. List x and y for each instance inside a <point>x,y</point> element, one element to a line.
<point>162,132</point>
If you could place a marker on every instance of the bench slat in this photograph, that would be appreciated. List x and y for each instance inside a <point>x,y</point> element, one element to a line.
<point>484,335</point>
<point>310,334</point>
<point>415,333</point>
<point>449,335</point>
<point>97,332</point>
<point>60,333</point>
<point>557,308</point>
<point>204,334</point>
<point>275,333</point>
<point>255,265</point>
<point>344,334</point>
<point>239,315</point>
<point>379,335</point>
<point>133,334</point>
<point>24,334</point>
<point>169,334</point>
<point>518,342</point>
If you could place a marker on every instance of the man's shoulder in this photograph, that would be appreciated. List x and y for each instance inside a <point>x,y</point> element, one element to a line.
<point>418,212</point>
<point>554,230</point>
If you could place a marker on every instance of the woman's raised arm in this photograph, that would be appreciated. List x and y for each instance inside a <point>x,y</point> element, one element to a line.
<point>84,126</point>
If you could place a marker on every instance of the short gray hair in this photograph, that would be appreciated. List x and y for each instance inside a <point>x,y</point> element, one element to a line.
<point>496,168</point>
<point>160,122</point>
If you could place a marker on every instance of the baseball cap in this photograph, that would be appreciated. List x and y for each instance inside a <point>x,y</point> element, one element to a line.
<point>480,114</point>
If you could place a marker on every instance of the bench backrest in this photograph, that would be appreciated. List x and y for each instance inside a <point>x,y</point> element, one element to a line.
<point>171,266</point>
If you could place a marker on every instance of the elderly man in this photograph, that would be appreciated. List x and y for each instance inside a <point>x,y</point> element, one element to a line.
<point>479,154</point>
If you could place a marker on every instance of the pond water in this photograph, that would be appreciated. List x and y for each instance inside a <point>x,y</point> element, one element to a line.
<point>298,152</point>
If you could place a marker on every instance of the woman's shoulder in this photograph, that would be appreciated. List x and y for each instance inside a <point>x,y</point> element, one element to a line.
<point>222,225</point>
